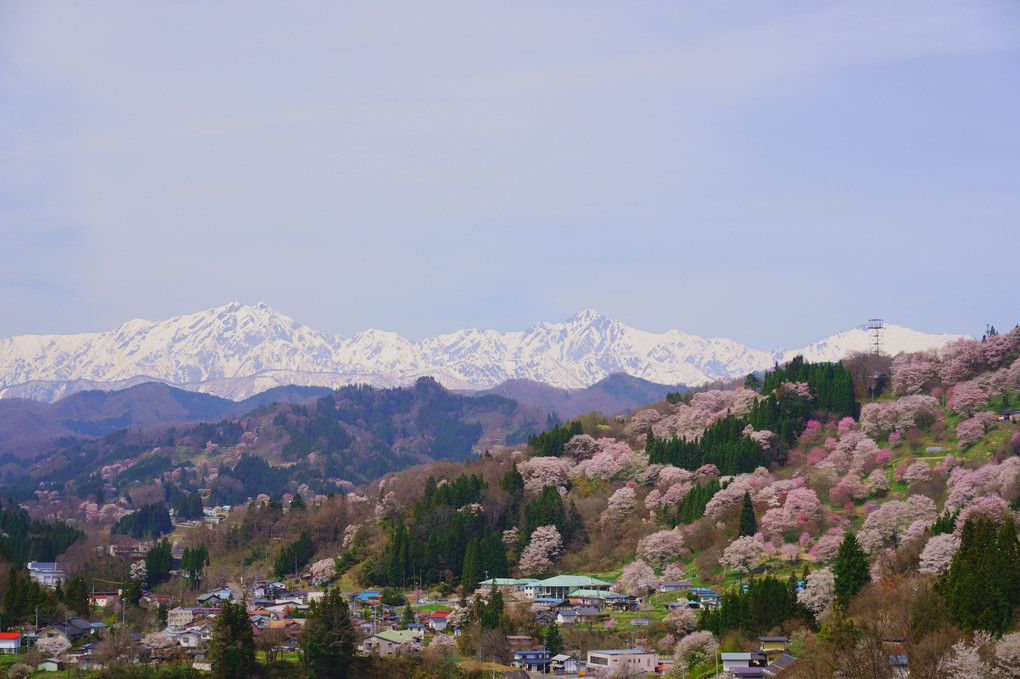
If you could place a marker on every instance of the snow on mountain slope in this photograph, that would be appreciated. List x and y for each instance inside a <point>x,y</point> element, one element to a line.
<point>237,351</point>
<point>896,339</point>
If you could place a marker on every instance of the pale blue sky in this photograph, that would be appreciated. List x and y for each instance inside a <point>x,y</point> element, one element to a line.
<point>733,169</point>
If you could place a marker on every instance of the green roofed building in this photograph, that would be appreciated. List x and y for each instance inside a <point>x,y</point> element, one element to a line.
<point>560,586</point>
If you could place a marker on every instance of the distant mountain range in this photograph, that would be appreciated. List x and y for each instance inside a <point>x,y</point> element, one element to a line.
<point>236,351</point>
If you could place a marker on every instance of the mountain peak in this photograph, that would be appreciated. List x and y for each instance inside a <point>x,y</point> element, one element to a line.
<point>587,317</point>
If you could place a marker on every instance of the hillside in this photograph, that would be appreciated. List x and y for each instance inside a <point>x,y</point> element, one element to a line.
<point>236,351</point>
<point>858,501</point>
<point>29,427</point>
<point>617,393</point>
<point>329,443</point>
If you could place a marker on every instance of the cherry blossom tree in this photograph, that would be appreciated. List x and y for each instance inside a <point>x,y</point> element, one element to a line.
<point>970,432</point>
<point>323,571</point>
<point>442,646</point>
<point>580,446</point>
<point>827,547</point>
<point>848,489</point>
<point>158,641</point>
<point>539,472</point>
<point>621,503</point>
<point>637,579</point>
<point>819,591</point>
<point>966,398</point>
<point>938,554</point>
<point>661,547</point>
<point>912,373</point>
<point>917,472</point>
<point>53,647</point>
<point>546,543</point>
<point>879,419</point>
<point>695,649</point>
<point>1007,656</point>
<point>878,482</point>
<point>964,662</point>
<point>682,619</point>
<point>883,526</point>
<point>812,432</point>
<point>743,555</point>
<point>652,500</point>
<point>674,571</point>
<point>991,507</point>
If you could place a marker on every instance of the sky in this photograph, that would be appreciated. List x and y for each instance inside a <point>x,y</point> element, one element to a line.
<point>769,172</point>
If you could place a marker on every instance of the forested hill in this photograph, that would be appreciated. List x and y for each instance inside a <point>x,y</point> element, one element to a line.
<point>349,436</point>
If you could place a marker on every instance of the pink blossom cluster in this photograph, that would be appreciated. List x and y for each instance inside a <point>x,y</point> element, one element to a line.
<point>812,432</point>
<point>918,471</point>
<point>763,437</point>
<point>989,507</point>
<point>894,417</point>
<point>730,497</point>
<point>637,579</point>
<point>887,523</point>
<point>973,430</point>
<point>743,555</point>
<point>690,421</point>
<point>966,398</point>
<point>695,649</point>
<point>545,544</point>
<point>539,472</point>
<point>878,482</point>
<point>323,571</point>
<point>660,547</point>
<point>800,389</point>
<point>938,554</point>
<point>827,546</point>
<point>849,489</point>
<point>991,479</point>
<point>621,503</point>
<point>819,591</point>
<point>682,619</point>
<point>609,459</point>
<point>801,511</point>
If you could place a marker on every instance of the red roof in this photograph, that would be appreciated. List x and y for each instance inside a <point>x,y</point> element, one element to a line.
<point>440,614</point>
<point>10,635</point>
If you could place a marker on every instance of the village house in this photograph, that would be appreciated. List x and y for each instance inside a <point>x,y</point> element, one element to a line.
<point>564,663</point>
<point>675,585</point>
<point>536,660</point>
<point>179,617</point>
<point>560,586</point>
<point>615,661</point>
<point>391,644</point>
<point>47,573</point>
<point>773,647</point>
<point>10,642</point>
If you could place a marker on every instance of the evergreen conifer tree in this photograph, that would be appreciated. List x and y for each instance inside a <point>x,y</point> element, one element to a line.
<point>328,638</point>
<point>851,570</point>
<point>232,647</point>
<point>748,524</point>
<point>553,640</point>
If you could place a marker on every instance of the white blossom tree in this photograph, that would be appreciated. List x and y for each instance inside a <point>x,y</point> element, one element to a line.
<point>819,591</point>
<point>743,555</point>
<point>637,579</point>
<point>545,544</point>
<point>682,619</point>
<point>621,503</point>
<point>660,547</point>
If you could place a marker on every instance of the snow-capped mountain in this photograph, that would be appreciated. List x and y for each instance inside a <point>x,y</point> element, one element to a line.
<point>237,351</point>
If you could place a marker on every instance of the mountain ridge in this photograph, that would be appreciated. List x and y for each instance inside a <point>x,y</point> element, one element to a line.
<point>236,351</point>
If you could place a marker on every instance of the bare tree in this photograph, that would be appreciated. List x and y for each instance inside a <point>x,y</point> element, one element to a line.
<point>271,642</point>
